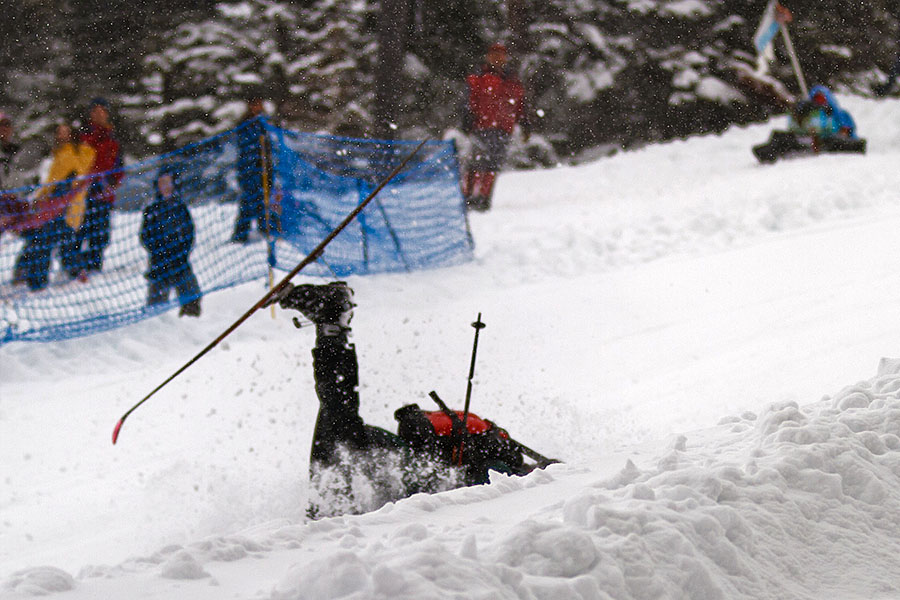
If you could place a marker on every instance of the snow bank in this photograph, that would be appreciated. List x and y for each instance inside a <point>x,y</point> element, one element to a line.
<point>754,509</point>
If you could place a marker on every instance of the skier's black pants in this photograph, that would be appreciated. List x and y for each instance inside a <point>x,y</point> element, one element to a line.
<point>337,377</point>
<point>336,372</point>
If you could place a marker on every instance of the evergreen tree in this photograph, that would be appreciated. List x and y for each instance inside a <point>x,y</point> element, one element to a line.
<point>597,72</point>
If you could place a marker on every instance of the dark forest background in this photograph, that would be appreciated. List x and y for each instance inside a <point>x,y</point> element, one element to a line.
<point>600,74</point>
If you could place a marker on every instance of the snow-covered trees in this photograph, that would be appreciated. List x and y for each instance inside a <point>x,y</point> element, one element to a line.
<point>310,60</point>
<point>598,72</point>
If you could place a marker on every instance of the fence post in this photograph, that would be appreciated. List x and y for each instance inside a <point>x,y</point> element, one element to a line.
<point>267,215</point>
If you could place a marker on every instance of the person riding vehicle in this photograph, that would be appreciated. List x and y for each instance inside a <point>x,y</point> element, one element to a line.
<point>816,124</point>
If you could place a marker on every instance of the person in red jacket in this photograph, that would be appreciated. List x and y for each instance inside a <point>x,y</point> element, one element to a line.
<point>496,105</point>
<point>94,232</point>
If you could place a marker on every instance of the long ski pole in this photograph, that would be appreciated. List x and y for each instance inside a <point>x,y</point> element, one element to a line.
<point>273,292</point>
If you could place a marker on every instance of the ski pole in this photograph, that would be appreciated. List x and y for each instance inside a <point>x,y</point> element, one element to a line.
<point>478,325</point>
<point>459,429</point>
<point>273,292</point>
<point>541,460</point>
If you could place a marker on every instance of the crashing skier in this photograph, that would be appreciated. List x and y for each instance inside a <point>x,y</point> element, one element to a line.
<point>356,467</point>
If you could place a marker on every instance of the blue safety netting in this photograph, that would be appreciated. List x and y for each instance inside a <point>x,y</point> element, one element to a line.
<point>257,196</point>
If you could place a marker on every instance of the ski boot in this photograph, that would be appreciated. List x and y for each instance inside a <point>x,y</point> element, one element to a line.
<point>329,306</point>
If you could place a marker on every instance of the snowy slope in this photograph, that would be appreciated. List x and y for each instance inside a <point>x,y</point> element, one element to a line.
<point>679,307</point>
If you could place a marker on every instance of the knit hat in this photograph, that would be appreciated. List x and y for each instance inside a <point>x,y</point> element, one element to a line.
<point>99,101</point>
<point>170,168</point>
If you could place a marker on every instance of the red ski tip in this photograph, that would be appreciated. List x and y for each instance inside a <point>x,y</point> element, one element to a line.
<point>116,431</point>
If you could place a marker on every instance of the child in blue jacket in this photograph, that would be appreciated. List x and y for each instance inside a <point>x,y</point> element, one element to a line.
<point>167,232</point>
<point>822,116</point>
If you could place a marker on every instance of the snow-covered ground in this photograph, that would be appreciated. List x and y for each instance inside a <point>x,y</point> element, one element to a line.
<point>697,336</point>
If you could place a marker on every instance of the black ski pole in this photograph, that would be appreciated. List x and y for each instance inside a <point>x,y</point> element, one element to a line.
<point>460,430</point>
<point>273,292</point>
<point>478,325</point>
<point>454,418</point>
<point>541,460</point>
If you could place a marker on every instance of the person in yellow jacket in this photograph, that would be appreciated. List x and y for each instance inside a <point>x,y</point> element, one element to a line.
<point>56,212</point>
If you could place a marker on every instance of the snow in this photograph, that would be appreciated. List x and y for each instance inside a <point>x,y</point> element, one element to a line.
<point>584,85</point>
<point>712,88</point>
<point>686,9</point>
<point>685,79</point>
<point>700,338</point>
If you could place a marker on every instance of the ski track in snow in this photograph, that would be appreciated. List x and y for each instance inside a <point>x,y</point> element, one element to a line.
<point>654,292</point>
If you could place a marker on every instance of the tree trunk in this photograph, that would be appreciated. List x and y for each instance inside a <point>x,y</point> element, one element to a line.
<point>392,33</point>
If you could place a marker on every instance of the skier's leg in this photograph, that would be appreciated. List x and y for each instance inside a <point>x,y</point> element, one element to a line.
<point>335,367</point>
<point>336,372</point>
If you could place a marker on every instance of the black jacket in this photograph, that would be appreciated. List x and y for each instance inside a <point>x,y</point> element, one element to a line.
<point>167,232</point>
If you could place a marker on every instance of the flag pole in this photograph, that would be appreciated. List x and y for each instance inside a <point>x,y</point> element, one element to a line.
<point>794,62</point>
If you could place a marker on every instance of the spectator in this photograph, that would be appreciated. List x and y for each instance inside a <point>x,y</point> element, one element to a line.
<point>250,172</point>
<point>101,197</point>
<point>822,118</point>
<point>496,104</point>
<point>884,89</point>
<point>167,232</point>
<point>56,212</point>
